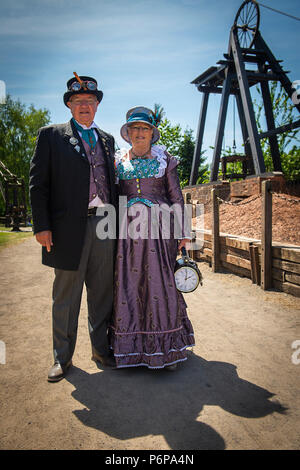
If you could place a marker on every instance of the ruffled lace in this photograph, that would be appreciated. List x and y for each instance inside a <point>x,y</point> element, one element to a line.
<point>120,155</point>
<point>158,151</point>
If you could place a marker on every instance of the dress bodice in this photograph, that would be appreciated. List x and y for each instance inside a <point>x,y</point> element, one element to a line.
<point>150,180</point>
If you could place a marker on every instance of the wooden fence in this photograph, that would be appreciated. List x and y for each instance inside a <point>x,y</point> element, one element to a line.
<point>268,264</point>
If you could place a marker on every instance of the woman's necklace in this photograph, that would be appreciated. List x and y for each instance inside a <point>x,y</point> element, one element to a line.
<point>147,154</point>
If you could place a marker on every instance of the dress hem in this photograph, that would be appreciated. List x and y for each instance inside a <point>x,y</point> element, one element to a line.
<point>155,354</point>
<point>142,364</point>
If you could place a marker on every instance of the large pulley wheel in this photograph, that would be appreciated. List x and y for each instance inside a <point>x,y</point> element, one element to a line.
<point>246,23</point>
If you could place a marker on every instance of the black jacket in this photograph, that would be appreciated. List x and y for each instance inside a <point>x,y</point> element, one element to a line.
<point>59,191</point>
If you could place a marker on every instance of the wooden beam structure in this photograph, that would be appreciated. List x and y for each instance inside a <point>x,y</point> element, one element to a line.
<point>266,236</point>
<point>215,232</point>
<point>200,133</point>
<point>231,77</point>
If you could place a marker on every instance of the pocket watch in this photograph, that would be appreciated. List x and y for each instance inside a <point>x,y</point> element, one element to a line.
<point>187,274</point>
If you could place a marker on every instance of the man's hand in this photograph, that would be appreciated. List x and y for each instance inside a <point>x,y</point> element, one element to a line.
<point>45,239</point>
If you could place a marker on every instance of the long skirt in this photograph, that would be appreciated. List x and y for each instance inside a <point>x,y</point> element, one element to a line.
<point>150,325</point>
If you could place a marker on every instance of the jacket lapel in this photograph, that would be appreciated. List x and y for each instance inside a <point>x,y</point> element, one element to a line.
<point>74,141</point>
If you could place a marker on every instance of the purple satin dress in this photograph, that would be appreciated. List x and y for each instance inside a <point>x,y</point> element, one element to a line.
<point>150,325</point>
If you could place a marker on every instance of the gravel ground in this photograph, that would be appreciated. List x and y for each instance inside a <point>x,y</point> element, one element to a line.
<point>239,388</point>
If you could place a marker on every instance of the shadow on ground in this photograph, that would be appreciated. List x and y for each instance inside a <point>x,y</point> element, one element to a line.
<point>136,402</point>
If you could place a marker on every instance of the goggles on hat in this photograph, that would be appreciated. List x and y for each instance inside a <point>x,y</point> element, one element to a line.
<point>76,86</point>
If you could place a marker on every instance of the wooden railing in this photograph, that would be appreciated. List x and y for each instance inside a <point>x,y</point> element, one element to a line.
<point>269,264</point>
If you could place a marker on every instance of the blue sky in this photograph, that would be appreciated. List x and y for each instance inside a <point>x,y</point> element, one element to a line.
<point>141,52</point>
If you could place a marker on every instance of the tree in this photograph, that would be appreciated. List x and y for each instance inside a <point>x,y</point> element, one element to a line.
<point>204,171</point>
<point>290,162</point>
<point>170,136</point>
<point>181,145</point>
<point>185,154</point>
<point>18,129</point>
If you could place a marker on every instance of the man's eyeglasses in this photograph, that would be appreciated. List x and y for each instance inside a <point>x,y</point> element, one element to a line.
<point>83,102</point>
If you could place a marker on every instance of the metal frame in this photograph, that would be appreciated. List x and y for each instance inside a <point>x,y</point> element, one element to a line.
<point>232,78</point>
<point>14,198</point>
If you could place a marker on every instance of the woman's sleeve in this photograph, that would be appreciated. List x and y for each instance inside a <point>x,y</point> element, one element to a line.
<point>172,181</point>
<point>176,198</point>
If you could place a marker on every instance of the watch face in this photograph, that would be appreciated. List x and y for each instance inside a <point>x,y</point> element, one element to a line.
<point>186,279</point>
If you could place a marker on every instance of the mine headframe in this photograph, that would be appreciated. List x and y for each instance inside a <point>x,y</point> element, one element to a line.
<point>13,192</point>
<point>232,77</point>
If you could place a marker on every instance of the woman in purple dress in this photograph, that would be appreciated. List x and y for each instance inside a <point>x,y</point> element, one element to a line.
<point>150,325</point>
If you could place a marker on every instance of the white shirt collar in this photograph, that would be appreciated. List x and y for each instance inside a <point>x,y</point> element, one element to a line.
<point>92,126</point>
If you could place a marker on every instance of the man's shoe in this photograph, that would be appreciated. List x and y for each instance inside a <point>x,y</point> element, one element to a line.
<point>107,361</point>
<point>58,371</point>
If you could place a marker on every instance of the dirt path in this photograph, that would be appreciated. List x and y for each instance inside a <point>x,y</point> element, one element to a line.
<point>238,390</point>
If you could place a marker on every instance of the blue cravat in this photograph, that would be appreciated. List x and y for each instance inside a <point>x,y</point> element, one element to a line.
<point>87,134</point>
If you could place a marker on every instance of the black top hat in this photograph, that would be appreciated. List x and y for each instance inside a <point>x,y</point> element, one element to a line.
<point>84,88</point>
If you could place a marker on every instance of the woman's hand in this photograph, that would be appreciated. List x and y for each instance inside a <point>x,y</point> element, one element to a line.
<point>183,243</point>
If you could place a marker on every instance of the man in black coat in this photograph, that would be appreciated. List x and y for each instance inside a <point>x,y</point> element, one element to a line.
<point>72,181</point>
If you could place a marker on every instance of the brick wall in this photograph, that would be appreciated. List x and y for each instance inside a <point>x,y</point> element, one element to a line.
<point>251,186</point>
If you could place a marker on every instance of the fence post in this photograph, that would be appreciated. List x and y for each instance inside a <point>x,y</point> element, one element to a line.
<point>215,256</point>
<point>254,259</point>
<point>266,236</point>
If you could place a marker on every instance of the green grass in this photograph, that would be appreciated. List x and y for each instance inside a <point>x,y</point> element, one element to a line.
<point>7,237</point>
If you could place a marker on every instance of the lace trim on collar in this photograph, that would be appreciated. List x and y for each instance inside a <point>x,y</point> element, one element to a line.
<point>157,151</point>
